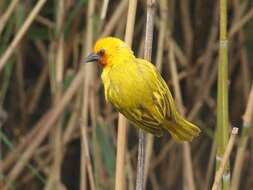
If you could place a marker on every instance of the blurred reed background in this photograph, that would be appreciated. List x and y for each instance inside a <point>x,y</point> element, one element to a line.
<point>57,131</point>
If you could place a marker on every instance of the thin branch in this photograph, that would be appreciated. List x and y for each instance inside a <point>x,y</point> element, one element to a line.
<point>151,5</point>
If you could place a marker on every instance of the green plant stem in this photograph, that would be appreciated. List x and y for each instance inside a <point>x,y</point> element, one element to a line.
<point>222,99</point>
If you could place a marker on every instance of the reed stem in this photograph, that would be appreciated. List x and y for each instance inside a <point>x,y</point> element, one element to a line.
<point>222,99</point>
<point>247,123</point>
<point>222,167</point>
<point>151,5</point>
<point>188,173</point>
<point>122,122</point>
<point>88,79</point>
<point>47,121</point>
<point>58,62</point>
<point>23,30</point>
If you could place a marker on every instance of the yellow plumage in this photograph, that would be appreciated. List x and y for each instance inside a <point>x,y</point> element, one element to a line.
<point>136,89</point>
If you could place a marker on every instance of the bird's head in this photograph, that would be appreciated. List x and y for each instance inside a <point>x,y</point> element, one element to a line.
<point>108,48</point>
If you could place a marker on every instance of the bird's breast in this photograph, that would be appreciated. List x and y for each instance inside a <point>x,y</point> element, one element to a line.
<point>124,86</point>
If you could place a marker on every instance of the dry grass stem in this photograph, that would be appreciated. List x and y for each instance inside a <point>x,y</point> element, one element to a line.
<point>188,177</point>
<point>24,142</point>
<point>4,58</point>
<point>88,81</point>
<point>122,122</point>
<point>187,28</point>
<point>85,145</point>
<point>104,9</point>
<point>162,32</point>
<point>120,159</point>
<point>224,161</point>
<point>54,114</point>
<point>210,167</point>
<point>56,134</point>
<point>240,156</point>
<point>247,116</point>
<point>57,131</point>
<point>117,15</point>
<point>238,25</point>
<point>71,126</point>
<point>4,18</point>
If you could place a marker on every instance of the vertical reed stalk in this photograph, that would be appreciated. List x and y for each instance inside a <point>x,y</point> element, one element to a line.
<point>20,14</point>
<point>188,173</point>
<point>162,32</point>
<point>188,44</point>
<point>222,99</point>
<point>121,149</point>
<point>247,123</point>
<point>88,75</point>
<point>159,57</point>
<point>151,5</point>
<point>57,81</point>
<point>187,28</point>
<point>122,122</point>
<point>117,15</point>
<point>227,152</point>
<point>57,133</point>
<point>85,146</point>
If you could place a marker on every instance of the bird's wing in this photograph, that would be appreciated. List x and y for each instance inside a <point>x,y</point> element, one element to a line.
<point>162,96</point>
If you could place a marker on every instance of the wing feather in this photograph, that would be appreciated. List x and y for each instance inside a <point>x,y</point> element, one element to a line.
<point>143,97</point>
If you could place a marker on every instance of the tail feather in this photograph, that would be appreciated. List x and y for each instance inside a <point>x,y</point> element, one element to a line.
<point>181,129</point>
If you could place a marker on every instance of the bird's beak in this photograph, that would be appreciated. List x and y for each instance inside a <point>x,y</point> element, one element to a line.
<point>92,57</point>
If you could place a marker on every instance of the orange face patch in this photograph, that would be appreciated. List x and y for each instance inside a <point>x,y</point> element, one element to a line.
<point>103,60</point>
<point>103,56</point>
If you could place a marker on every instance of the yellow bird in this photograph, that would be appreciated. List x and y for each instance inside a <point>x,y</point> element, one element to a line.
<point>136,89</point>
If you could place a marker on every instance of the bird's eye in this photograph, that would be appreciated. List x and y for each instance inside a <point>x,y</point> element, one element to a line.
<point>101,52</point>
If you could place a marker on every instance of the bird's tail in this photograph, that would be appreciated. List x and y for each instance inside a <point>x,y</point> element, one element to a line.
<point>181,129</point>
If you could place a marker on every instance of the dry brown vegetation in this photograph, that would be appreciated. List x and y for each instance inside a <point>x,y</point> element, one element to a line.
<point>57,131</point>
